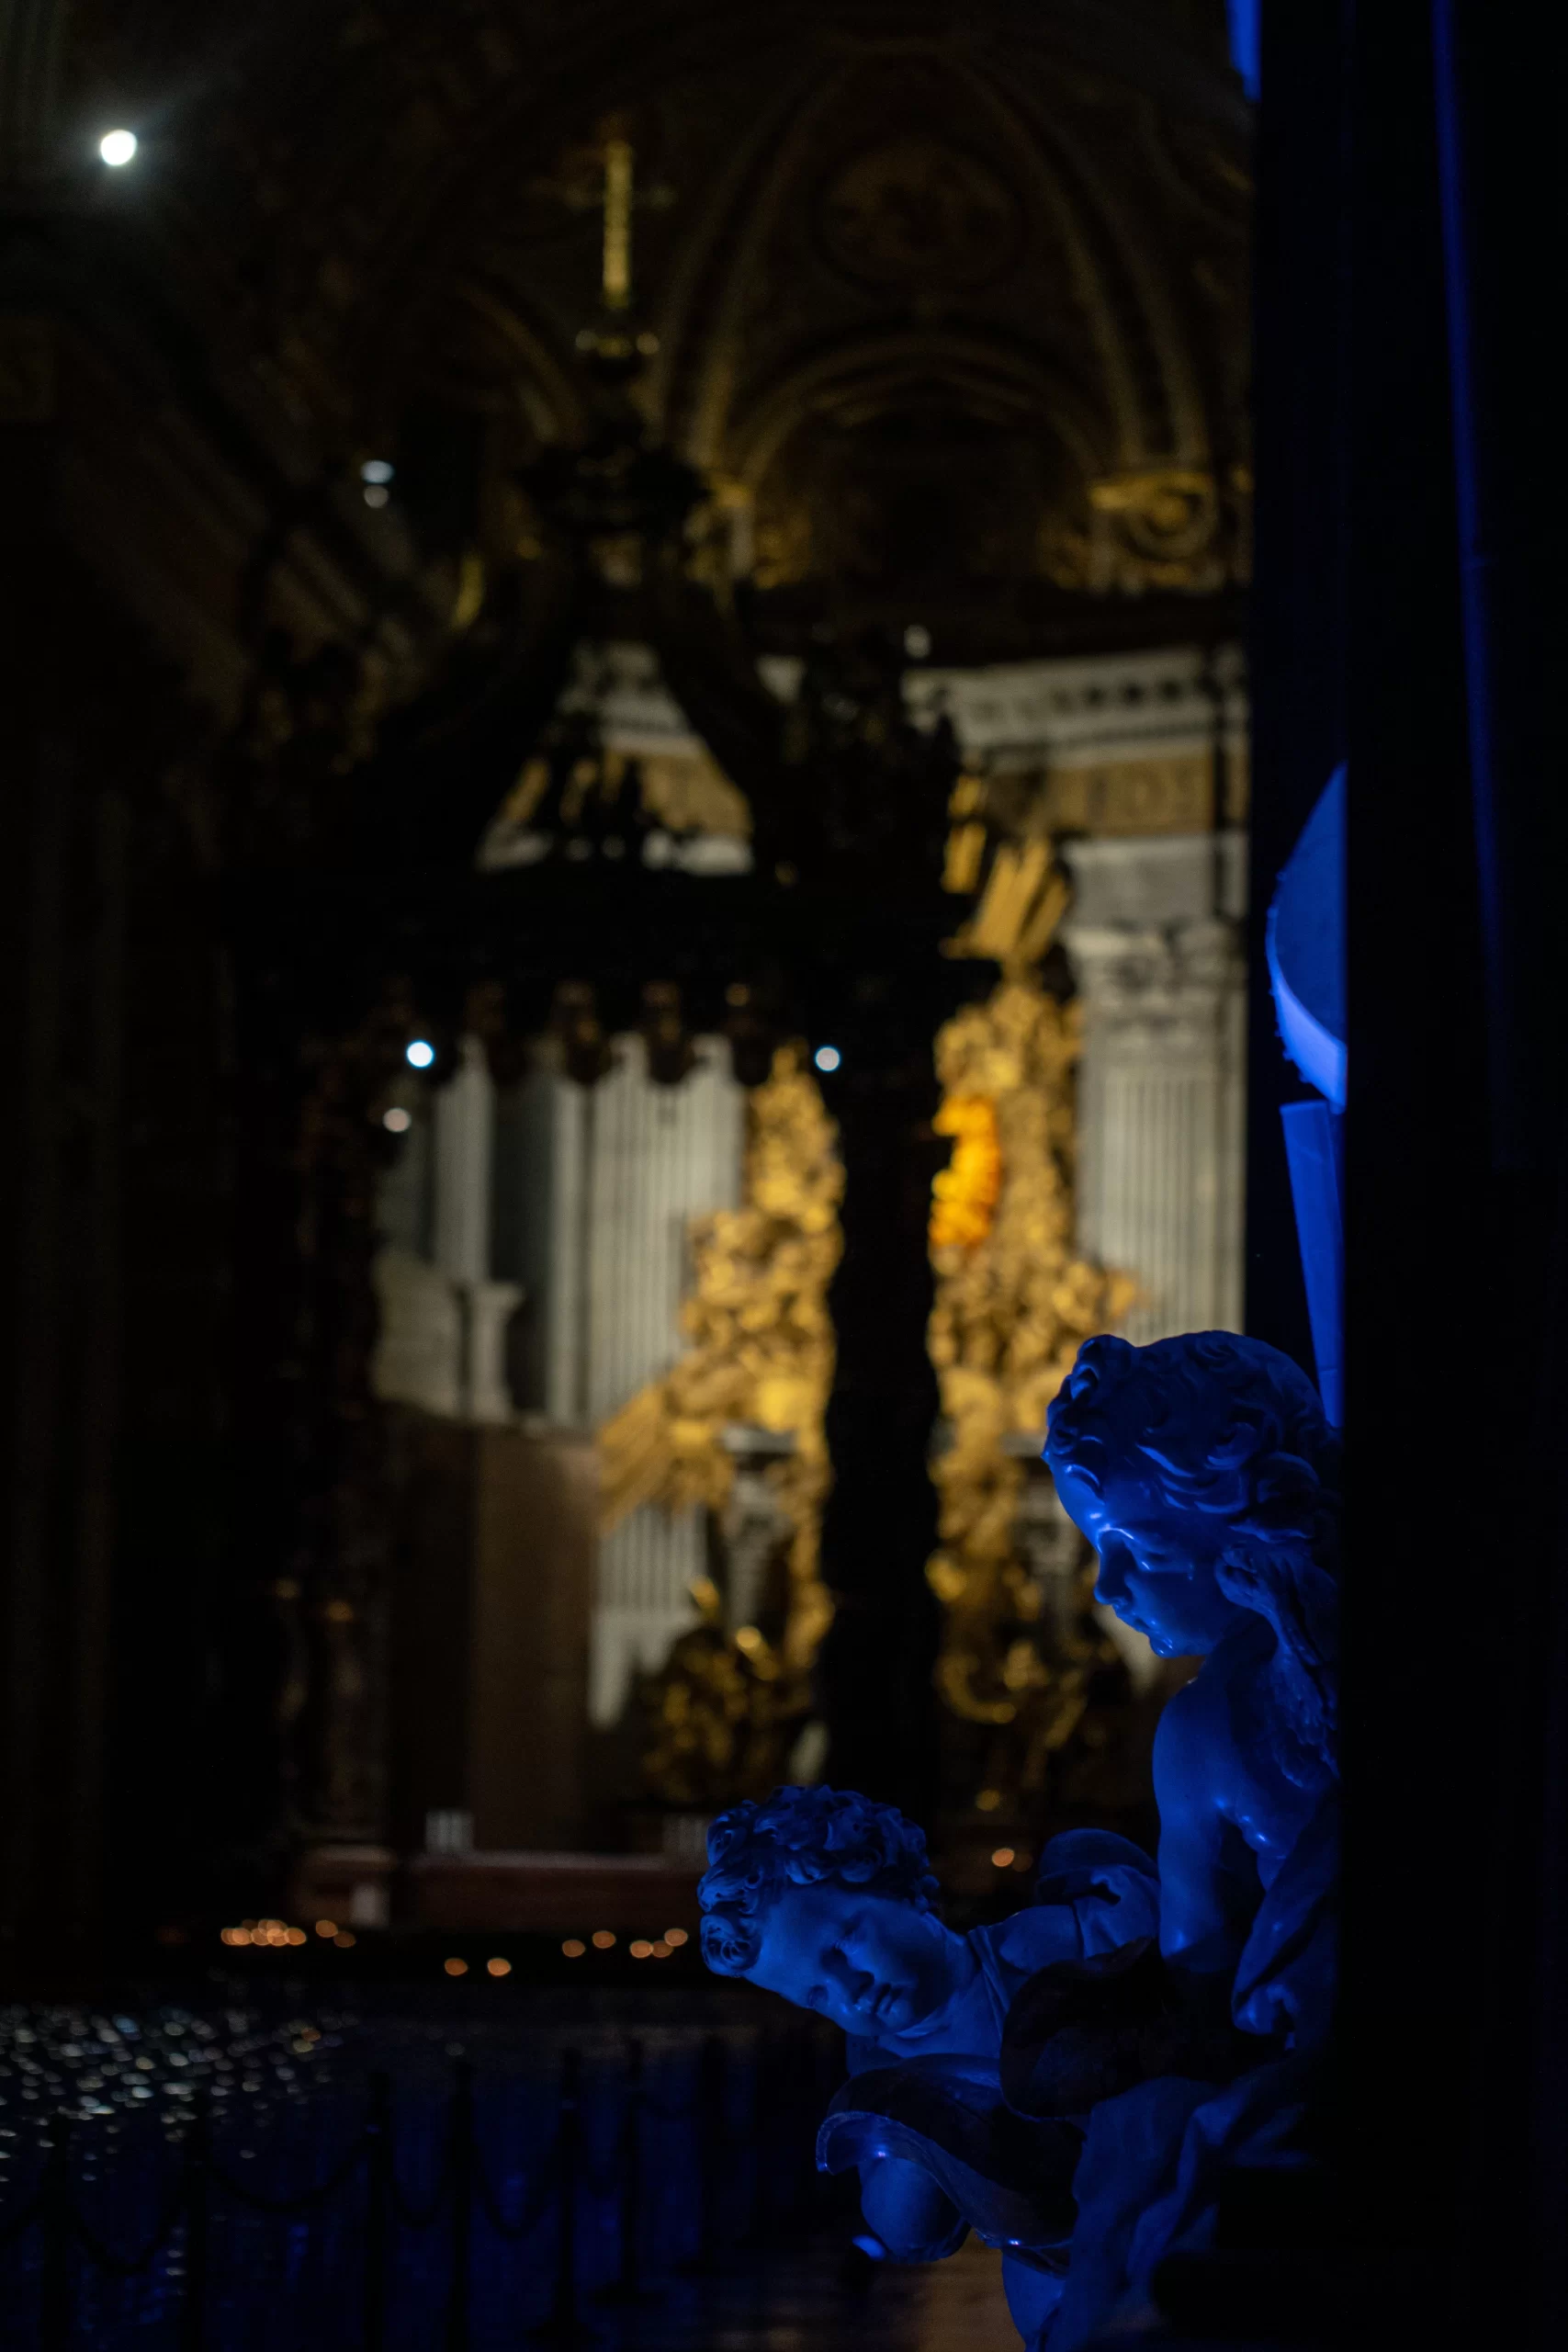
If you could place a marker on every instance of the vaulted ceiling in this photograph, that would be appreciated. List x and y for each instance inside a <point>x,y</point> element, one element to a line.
<point>949,304</point>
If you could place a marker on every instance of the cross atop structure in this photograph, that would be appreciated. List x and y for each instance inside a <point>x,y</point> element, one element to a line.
<point>606,181</point>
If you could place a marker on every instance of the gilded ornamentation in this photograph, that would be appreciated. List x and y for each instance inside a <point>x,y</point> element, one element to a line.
<point>964,1194</point>
<point>1023,901</point>
<point>916,211</point>
<point>1154,527</point>
<point>727,1709</point>
<point>760,1356</point>
<point>1013,1300</point>
<point>1161,793</point>
<point>1164,508</point>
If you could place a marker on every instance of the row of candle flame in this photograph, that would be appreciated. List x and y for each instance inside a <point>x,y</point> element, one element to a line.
<point>640,1947</point>
<point>278,1935</point>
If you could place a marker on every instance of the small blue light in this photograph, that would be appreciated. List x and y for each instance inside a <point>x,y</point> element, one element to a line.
<point>421,1053</point>
<point>827,1058</point>
<point>872,2247</point>
<point>376,470</point>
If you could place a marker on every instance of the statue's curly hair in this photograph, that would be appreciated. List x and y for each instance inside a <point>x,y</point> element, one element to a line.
<point>799,1838</point>
<point>1234,1430</point>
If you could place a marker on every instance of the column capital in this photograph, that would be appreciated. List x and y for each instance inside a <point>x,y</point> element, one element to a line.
<point>1164,978</point>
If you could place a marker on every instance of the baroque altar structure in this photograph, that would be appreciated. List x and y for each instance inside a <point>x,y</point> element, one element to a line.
<point>348,431</point>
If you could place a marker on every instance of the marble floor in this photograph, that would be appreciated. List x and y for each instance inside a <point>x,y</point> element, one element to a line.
<point>811,2300</point>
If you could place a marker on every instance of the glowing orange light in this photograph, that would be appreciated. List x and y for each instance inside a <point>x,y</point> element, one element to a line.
<point>327,1928</point>
<point>456,1967</point>
<point>661,1950</point>
<point>676,1936</point>
<point>573,1948</point>
<point>343,1941</point>
<point>294,1936</point>
<point>641,1949</point>
<point>1002,1857</point>
<point>965,1193</point>
<point>603,1938</point>
<point>498,1967</point>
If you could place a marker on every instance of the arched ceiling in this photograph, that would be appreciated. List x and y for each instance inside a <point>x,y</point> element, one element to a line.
<point>949,303</point>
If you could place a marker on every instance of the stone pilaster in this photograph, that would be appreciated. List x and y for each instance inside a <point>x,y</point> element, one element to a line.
<point>1153,940</point>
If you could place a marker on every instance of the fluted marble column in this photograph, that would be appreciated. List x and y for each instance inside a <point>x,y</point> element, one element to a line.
<point>659,1155</point>
<point>609,1179</point>
<point>1153,940</point>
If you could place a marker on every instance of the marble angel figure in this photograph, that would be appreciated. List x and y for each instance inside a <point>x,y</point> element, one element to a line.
<point>1205,1472</point>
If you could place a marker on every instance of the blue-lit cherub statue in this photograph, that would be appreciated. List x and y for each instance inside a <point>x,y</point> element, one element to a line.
<point>1205,1472</point>
<point>1074,2082</point>
<point>827,1897</point>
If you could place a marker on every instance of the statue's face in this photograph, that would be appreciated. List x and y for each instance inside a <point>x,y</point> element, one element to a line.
<point>871,1963</point>
<point>1157,1564</point>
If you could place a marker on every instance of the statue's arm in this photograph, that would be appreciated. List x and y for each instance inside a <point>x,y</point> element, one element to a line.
<point>1204,1907</point>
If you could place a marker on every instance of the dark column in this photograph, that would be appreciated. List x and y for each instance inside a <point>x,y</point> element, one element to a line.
<point>879,1527</point>
<point>61,942</point>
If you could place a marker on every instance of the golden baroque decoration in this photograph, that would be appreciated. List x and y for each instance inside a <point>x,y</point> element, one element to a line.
<point>1024,899</point>
<point>726,1710</point>
<point>1013,1300</point>
<point>1155,527</point>
<point>965,1193</point>
<point>761,1356</point>
<point>1169,793</point>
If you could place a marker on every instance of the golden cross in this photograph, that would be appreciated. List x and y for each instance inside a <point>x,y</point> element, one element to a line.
<point>618,196</point>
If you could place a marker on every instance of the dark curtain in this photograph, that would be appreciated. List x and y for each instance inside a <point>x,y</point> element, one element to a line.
<point>1410,602</point>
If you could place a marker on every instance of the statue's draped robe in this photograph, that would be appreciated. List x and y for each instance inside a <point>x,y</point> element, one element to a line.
<point>1154,2159</point>
<point>1118,2187</point>
<point>933,2096</point>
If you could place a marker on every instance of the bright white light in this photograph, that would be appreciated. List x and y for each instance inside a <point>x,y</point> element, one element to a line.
<point>117,147</point>
<point>377,470</point>
<point>827,1058</point>
<point>396,1121</point>
<point>917,641</point>
<point>420,1053</point>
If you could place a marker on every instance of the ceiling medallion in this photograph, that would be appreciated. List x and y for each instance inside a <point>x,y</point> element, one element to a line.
<point>918,212</point>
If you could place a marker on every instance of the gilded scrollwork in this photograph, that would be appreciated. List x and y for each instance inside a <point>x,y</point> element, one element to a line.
<point>1013,1299</point>
<point>760,1358</point>
<point>1174,528</point>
